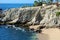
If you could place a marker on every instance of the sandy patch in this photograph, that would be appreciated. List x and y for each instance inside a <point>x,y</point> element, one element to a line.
<point>49,34</point>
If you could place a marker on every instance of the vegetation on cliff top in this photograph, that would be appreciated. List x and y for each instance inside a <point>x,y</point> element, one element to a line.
<point>40,2</point>
<point>36,3</point>
<point>57,13</point>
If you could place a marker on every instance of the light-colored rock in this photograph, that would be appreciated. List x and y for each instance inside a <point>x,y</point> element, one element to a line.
<point>23,14</point>
<point>50,19</point>
<point>45,16</point>
<point>34,27</point>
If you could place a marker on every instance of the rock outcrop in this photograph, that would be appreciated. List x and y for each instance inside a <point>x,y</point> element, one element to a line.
<point>50,19</point>
<point>30,14</point>
<point>34,15</point>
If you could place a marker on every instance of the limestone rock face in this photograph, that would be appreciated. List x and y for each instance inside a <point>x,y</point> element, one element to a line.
<point>23,14</point>
<point>50,19</point>
<point>34,15</point>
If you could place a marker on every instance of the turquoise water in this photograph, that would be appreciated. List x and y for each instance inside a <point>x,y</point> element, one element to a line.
<point>13,34</point>
<point>7,6</point>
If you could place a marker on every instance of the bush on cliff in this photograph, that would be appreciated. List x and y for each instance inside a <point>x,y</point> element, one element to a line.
<point>37,3</point>
<point>57,13</point>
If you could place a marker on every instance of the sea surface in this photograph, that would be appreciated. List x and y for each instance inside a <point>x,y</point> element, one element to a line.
<point>16,33</point>
<point>13,34</point>
<point>8,6</point>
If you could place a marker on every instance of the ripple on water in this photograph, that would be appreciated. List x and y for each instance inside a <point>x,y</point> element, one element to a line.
<point>13,34</point>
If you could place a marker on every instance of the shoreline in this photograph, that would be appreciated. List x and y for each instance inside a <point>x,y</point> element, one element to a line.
<point>49,34</point>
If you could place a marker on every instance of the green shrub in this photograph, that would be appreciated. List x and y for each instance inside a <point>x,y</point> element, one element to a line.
<point>36,3</point>
<point>57,13</point>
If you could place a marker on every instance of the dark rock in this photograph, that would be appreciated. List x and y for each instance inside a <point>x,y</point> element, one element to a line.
<point>41,27</point>
<point>32,29</point>
<point>38,31</point>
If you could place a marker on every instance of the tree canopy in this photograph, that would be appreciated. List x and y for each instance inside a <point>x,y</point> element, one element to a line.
<point>37,3</point>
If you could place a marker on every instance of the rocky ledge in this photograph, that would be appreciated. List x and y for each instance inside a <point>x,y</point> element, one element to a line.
<point>45,16</point>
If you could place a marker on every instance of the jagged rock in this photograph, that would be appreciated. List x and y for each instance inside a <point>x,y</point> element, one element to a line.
<point>50,19</point>
<point>23,15</point>
<point>45,16</point>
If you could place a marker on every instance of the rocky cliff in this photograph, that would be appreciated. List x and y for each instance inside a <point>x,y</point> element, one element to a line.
<point>23,14</point>
<point>33,15</point>
<point>50,19</point>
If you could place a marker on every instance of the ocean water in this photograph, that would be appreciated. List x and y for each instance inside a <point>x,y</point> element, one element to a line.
<point>7,6</point>
<point>13,34</point>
